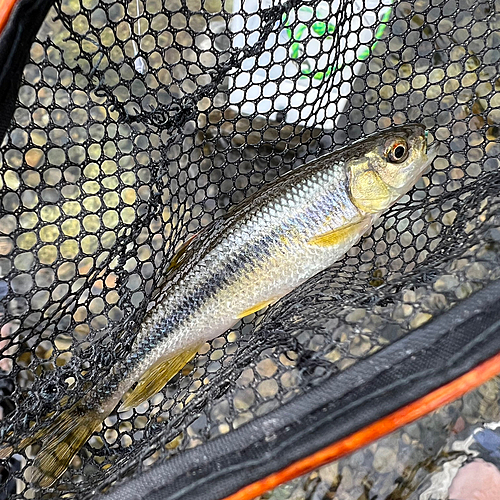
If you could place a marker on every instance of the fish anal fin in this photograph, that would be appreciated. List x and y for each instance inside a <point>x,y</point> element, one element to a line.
<point>256,307</point>
<point>154,379</point>
<point>339,235</point>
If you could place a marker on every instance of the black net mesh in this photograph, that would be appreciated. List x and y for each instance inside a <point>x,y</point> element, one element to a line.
<point>139,123</point>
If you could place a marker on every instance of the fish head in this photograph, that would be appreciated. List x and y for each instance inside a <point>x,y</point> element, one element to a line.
<point>386,165</point>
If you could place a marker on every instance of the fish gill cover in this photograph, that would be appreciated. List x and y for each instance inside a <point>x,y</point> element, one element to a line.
<point>139,123</point>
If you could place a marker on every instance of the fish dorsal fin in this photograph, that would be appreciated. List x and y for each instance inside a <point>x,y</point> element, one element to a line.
<point>180,256</point>
<point>154,379</point>
<point>339,235</point>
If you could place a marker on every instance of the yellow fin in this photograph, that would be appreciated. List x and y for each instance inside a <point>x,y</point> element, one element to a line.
<point>60,442</point>
<point>180,255</point>
<point>154,379</point>
<point>337,236</point>
<point>256,307</point>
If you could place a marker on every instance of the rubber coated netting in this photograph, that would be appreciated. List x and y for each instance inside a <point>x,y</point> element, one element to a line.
<point>139,123</point>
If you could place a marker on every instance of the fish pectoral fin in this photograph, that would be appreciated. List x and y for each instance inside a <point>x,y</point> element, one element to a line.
<point>257,307</point>
<point>340,234</point>
<point>154,379</point>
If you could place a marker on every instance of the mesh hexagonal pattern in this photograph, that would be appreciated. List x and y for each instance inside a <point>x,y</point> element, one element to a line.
<point>139,123</point>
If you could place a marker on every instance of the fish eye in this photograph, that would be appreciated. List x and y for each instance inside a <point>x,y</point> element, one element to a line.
<point>397,152</point>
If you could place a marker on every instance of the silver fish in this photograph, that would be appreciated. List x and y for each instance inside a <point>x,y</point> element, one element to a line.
<point>257,253</point>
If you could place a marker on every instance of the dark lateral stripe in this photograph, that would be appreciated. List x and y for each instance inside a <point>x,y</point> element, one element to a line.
<point>429,367</point>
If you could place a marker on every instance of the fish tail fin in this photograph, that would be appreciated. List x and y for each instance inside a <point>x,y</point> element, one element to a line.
<point>61,441</point>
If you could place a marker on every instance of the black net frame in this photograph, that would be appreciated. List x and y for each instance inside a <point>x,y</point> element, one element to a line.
<point>15,43</point>
<point>81,263</point>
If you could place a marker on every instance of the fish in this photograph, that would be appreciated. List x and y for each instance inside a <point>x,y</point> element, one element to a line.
<point>258,252</point>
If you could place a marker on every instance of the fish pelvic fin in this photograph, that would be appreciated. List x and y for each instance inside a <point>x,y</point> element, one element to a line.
<point>155,378</point>
<point>339,235</point>
<point>257,307</point>
<point>60,442</point>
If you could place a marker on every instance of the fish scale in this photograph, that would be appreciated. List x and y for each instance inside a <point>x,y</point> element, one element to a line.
<point>258,252</point>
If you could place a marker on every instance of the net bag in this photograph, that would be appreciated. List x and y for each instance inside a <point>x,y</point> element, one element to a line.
<point>133,125</point>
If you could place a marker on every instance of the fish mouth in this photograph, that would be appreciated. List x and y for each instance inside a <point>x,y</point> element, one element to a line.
<point>429,153</point>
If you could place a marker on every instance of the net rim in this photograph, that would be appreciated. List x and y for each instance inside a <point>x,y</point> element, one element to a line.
<point>231,464</point>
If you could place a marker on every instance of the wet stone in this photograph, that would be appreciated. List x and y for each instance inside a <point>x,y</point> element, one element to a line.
<point>446,283</point>
<point>434,302</point>
<point>244,399</point>
<point>266,367</point>
<point>356,316</point>
<point>360,345</point>
<point>420,319</point>
<point>464,290</point>
<point>477,271</point>
<point>268,388</point>
<point>413,430</point>
<point>347,479</point>
<point>384,459</point>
